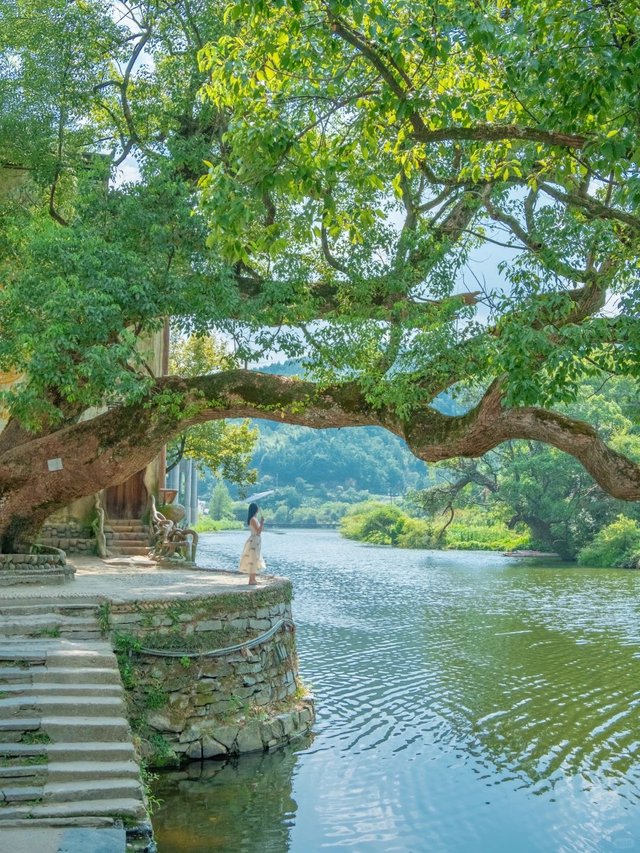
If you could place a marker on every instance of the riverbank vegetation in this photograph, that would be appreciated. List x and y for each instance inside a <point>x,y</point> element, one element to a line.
<point>617,544</point>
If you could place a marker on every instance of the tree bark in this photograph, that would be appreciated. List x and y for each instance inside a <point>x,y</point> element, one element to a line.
<point>110,447</point>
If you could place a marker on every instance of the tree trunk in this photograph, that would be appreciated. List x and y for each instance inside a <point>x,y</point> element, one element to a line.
<point>110,447</point>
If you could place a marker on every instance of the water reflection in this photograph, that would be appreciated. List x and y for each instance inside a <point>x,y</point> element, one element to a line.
<point>241,805</point>
<point>465,703</point>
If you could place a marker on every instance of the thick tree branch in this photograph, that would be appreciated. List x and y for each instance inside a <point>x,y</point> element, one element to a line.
<point>107,449</point>
<point>500,132</point>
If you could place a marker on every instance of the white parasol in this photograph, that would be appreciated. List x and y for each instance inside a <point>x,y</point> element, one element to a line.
<point>259,495</point>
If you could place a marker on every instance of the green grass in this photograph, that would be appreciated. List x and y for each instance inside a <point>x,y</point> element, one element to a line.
<point>35,737</point>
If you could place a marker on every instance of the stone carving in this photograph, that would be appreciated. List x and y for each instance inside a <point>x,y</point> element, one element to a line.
<point>171,542</point>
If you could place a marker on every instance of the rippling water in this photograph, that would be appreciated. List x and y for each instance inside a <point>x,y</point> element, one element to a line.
<point>466,702</point>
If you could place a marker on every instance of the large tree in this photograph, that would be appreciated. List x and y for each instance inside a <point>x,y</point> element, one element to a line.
<point>324,195</point>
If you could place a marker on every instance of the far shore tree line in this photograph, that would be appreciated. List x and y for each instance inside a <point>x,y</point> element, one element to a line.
<point>523,496</point>
<point>312,178</point>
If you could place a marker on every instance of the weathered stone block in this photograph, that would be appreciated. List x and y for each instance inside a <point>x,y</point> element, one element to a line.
<point>287,724</point>
<point>194,750</point>
<point>211,747</point>
<point>210,625</point>
<point>307,715</point>
<point>244,692</point>
<point>190,734</point>
<point>221,708</point>
<point>161,722</point>
<point>250,738</point>
<point>216,668</point>
<point>226,735</point>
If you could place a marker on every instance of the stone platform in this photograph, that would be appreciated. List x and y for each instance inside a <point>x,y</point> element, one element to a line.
<point>134,578</point>
<point>69,766</point>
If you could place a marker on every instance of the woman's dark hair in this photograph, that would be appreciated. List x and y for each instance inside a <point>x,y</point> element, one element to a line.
<point>253,509</point>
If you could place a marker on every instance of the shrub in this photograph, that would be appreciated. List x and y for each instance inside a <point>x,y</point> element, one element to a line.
<point>377,523</point>
<point>416,533</point>
<point>384,524</point>
<point>206,524</point>
<point>617,544</point>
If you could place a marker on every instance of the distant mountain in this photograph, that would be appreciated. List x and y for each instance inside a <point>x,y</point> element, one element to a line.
<point>363,458</point>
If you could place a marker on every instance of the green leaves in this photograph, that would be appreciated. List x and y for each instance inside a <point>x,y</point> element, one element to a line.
<point>324,178</point>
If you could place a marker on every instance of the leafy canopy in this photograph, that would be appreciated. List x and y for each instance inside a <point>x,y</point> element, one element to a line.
<point>372,146</point>
<point>315,176</point>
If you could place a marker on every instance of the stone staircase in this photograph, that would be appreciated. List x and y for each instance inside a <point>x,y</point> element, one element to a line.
<point>129,537</point>
<point>66,755</point>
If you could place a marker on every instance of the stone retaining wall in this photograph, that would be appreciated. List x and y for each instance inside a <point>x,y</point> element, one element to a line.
<point>34,568</point>
<point>190,705</point>
<point>68,535</point>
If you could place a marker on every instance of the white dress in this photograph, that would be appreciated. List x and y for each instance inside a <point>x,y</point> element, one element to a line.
<point>251,561</point>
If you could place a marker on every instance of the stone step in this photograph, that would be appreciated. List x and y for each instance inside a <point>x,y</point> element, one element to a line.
<point>36,620</point>
<point>125,522</point>
<point>133,551</point>
<point>24,837</point>
<point>57,675</point>
<point>56,652</point>
<point>18,774</point>
<point>92,789</point>
<point>74,627</point>
<point>121,807</point>
<point>55,688</point>
<point>20,794</point>
<point>71,661</point>
<point>82,706</point>
<point>39,577</point>
<point>69,771</point>
<point>119,530</point>
<point>9,608</point>
<point>33,604</point>
<point>91,751</point>
<point>80,751</point>
<point>22,750</point>
<point>93,655</point>
<point>26,657</point>
<point>130,536</point>
<point>25,724</point>
<point>80,729</point>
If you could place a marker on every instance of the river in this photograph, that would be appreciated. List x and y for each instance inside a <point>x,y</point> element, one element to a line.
<point>467,703</point>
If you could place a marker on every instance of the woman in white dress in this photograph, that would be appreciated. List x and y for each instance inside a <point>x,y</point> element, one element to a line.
<point>251,561</point>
